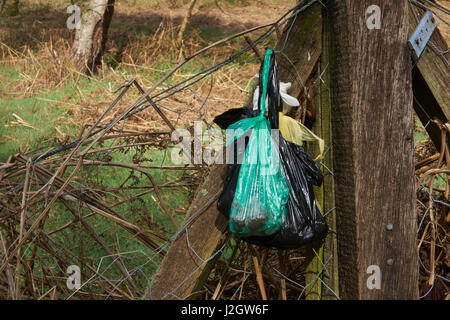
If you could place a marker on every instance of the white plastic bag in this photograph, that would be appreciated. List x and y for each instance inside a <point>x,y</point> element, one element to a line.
<point>287,100</point>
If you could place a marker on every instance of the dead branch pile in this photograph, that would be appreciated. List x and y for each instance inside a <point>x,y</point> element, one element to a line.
<point>54,213</point>
<point>433,210</point>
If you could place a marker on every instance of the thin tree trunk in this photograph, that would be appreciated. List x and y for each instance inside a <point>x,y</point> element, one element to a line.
<point>92,34</point>
<point>3,5</point>
<point>184,24</point>
<point>372,115</point>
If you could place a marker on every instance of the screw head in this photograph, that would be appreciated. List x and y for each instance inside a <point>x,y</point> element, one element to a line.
<point>390,262</point>
<point>389,227</point>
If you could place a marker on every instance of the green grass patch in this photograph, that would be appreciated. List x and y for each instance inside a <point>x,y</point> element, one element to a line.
<point>29,123</point>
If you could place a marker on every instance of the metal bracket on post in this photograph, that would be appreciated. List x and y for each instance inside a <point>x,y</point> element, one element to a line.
<point>422,34</point>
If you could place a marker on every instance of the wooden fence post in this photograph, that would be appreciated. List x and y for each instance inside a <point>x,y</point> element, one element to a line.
<point>372,116</point>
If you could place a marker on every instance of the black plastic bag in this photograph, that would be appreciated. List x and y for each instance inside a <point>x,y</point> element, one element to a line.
<point>229,188</point>
<point>304,223</point>
<point>229,117</point>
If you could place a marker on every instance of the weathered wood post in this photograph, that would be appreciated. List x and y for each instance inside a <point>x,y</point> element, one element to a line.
<point>372,115</point>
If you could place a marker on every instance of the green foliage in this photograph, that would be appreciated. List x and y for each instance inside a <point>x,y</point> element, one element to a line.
<point>12,8</point>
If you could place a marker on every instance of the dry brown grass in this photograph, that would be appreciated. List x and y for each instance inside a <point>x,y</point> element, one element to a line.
<point>142,48</point>
<point>40,51</point>
<point>443,28</point>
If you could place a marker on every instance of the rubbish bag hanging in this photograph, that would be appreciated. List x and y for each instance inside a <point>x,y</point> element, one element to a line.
<point>304,223</point>
<point>259,202</point>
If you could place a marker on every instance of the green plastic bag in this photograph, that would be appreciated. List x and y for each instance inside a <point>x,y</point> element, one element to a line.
<point>259,204</point>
